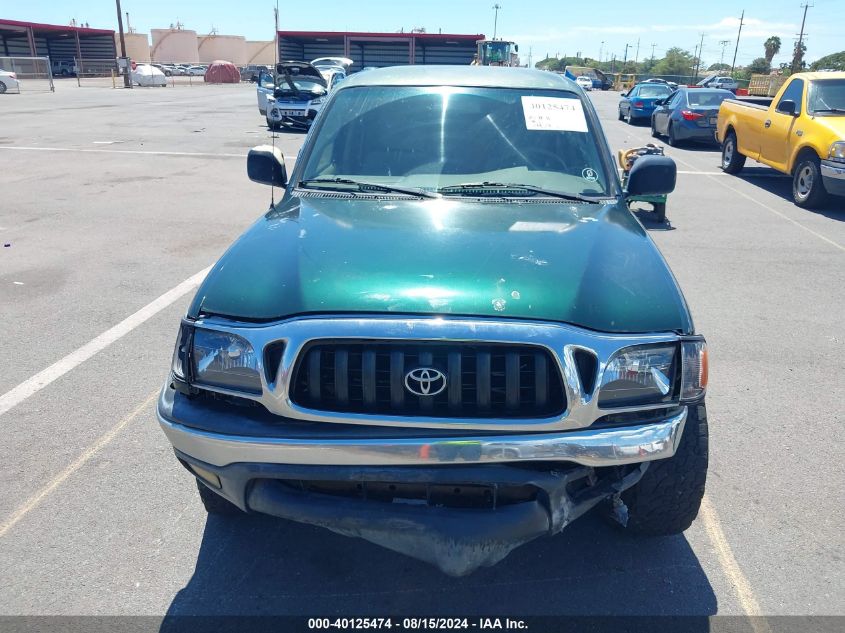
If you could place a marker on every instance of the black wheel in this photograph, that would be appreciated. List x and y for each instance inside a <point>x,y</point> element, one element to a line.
<point>732,160</point>
<point>654,132</point>
<point>2,87</point>
<point>807,187</point>
<point>629,119</point>
<point>660,211</point>
<point>65,72</point>
<point>670,136</point>
<point>666,500</point>
<point>214,503</point>
<point>621,116</point>
<point>273,125</point>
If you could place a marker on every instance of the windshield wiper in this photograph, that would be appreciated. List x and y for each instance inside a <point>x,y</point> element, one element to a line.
<point>472,188</point>
<point>365,187</point>
<point>837,110</point>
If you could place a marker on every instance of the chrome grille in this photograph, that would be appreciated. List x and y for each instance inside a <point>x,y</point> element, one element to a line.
<point>483,380</point>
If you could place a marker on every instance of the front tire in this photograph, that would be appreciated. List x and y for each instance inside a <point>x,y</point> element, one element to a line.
<point>732,160</point>
<point>654,131</point>
<point>621,116</point>
<point>215,504</point>
<point>667,498</point>
<point>274,127</point>
<point>2,87</point>
<point>808,190</point>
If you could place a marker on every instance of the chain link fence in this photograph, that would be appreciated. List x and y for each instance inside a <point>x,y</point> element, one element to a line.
<point>25,74</point>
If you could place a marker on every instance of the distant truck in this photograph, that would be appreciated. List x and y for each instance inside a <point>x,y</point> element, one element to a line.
<point>801,132</point>
<point>497,53</point>
<point>600,80</point>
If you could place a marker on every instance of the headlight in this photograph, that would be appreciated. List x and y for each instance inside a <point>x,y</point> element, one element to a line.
<point>695,369</point>
<point>639,375</point>
<point>837,152</point>
<point>224,360</point>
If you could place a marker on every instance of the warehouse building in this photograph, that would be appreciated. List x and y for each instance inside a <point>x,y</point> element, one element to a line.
<point>379,49</point>
<point>59,43</point>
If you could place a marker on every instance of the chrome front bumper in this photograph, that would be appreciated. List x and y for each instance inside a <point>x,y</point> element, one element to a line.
<point>587,447</point>
<point>833,176</point>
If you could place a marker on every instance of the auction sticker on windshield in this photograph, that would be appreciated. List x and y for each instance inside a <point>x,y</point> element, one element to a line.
<point>554,114</point>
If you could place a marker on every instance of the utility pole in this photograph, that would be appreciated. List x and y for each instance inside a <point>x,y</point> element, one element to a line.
<point>600,49</point>
<point>741,20</point>
<point>698,60</point>
<point>637,57</point>
<point>127,83</point>
<point>530,56</point>
<point>723,43</point>
<point>800,36</point>
<point>496,8</point>
<point>613,64</point>
<point>625,61</point>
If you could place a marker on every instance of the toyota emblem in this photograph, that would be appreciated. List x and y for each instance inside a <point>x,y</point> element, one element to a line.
<point>425,381</point>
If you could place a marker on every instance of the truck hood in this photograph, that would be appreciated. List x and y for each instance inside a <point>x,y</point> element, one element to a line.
<point>586,264</point>
<point>836,124</point>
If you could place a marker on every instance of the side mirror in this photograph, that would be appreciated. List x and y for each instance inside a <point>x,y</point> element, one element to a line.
<point>516,47</point>
<point>659,102</point>
<point>652,176</point>
<point>265,164</point>
<point>787,106</point>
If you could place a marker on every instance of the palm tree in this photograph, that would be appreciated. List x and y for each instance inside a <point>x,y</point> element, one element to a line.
<point>772,46</point>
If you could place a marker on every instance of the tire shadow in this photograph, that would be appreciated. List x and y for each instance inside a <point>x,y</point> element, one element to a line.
<point>781,185</point>
<point>259,565</point>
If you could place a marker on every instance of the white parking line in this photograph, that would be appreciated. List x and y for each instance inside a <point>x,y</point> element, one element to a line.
<point>58,369</point>
<point>120,151</point>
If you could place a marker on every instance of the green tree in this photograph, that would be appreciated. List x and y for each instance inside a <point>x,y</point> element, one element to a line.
<point>798,63</point>
<point>676,62</point>
<point>718,67</point>
<point>835,61</point>
<point>772,47</point>
<point>759,66</point>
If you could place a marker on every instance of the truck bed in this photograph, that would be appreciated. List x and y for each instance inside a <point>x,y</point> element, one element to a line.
<point>762,103</point>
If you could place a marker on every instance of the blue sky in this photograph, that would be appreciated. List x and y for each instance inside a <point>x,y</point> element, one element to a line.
<point>539,26</point>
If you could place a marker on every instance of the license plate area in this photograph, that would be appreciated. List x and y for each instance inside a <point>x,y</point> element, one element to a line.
<point>292,112</point>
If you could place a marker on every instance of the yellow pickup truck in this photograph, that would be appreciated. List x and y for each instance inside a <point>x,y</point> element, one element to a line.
<point>801,132</point>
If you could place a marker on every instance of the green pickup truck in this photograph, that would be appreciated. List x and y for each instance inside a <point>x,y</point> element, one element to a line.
<point>449,336</point>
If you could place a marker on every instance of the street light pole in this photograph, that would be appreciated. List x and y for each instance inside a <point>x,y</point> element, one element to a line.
<point>127,83</point>
<point>496,8</point>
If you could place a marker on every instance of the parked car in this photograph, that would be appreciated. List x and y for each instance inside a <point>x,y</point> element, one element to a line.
<point>348,363</point>
<point>688,114</point>
<point>658,80</point>
<point>724,83</point>
<point>638,102</point>
<point>147,75</point>
<point>252,71</point>
<point>64,68</point>
<point>294,97</point>
<point>585,82</point>
<point>165,68</point>
<point>801,132</point>
<point>195,71</point>
<point>9,81</point>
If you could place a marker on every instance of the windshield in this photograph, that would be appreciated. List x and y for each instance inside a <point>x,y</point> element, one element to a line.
<point>707,98</point>
<point>827,96</point>
<point>653,90</point>
<point>434,137</point>
<point>495,51</point>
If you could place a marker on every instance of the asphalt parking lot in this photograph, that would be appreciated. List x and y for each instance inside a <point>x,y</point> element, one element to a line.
<point>114,202</point>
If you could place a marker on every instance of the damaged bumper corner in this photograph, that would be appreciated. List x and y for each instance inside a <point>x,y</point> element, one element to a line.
<point>458,540</point>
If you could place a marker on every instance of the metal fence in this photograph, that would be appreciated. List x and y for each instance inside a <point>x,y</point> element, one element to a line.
<point>97,73</point>
<point>29,74</point>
